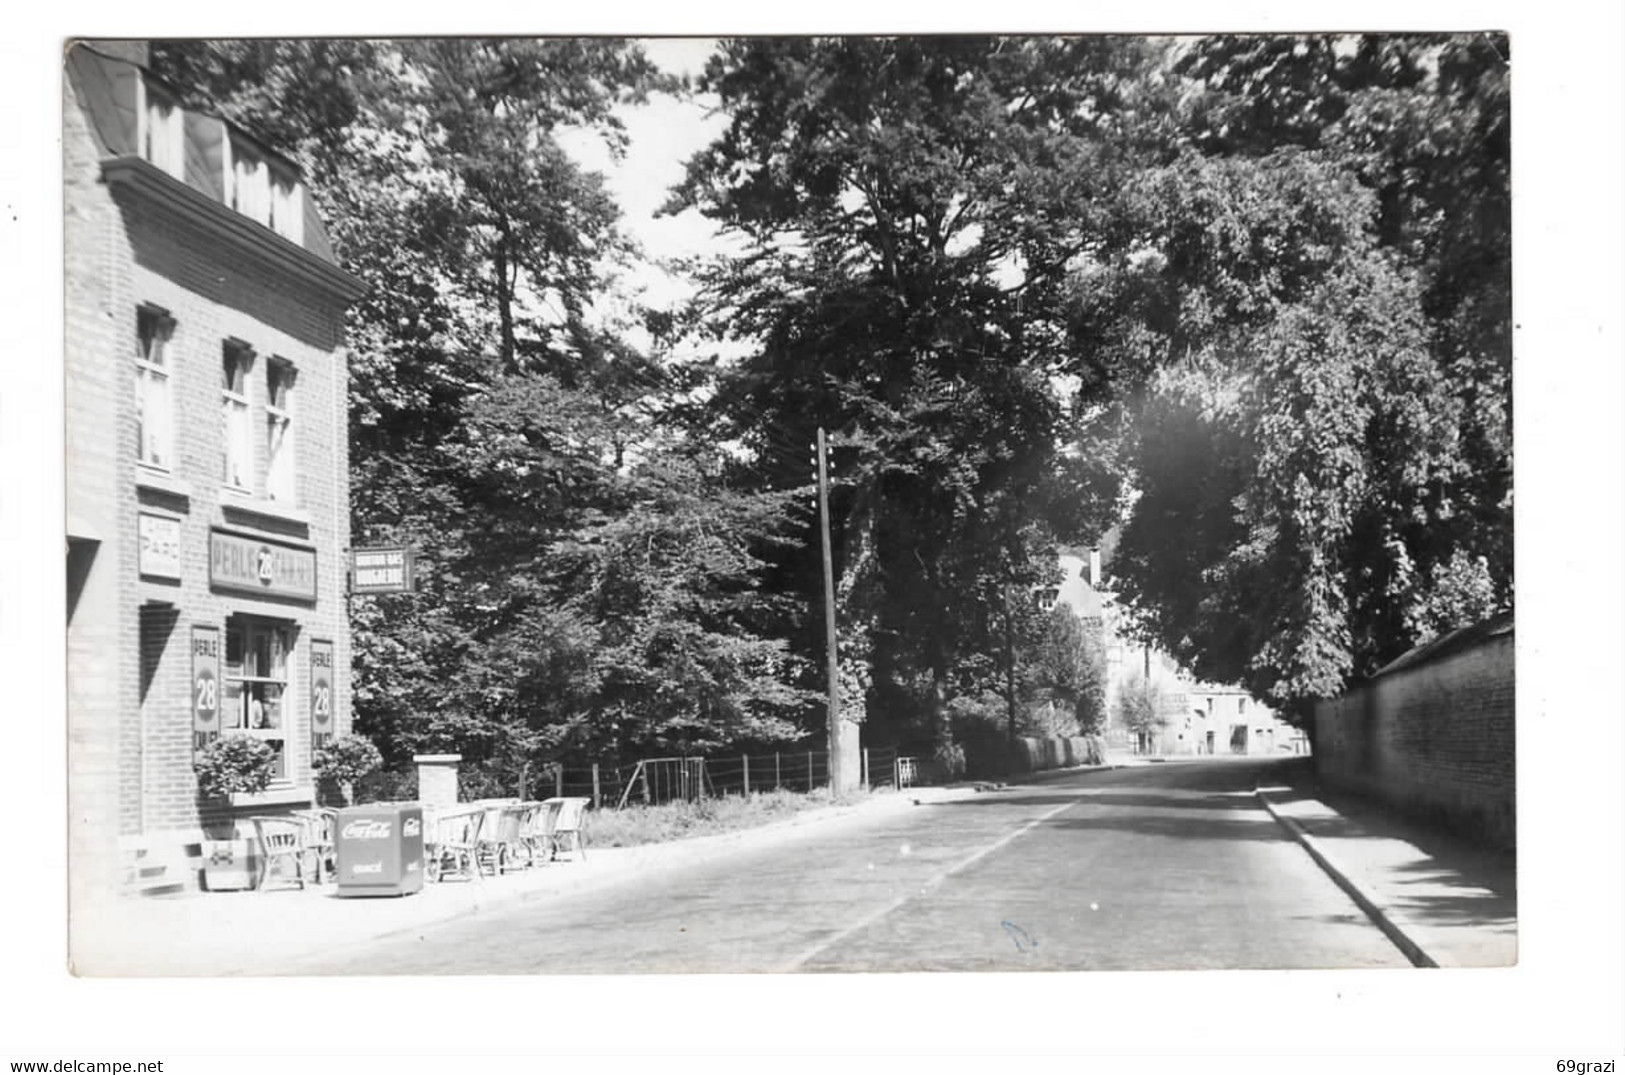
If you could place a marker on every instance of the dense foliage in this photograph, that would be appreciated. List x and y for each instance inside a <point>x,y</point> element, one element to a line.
<point>1243,301</point>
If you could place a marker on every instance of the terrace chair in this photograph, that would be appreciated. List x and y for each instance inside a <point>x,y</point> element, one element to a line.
<point>536,830</point>
<point>320,825</point>
<point>452,844</point>
<point>501,840</point>
<point>564,829</point>
<point>282,840</point>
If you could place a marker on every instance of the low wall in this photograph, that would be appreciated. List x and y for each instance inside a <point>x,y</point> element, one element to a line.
<point>1433,734</point>
<point>1030,754</point>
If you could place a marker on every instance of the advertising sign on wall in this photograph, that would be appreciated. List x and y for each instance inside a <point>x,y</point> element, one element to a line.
<point>159,554</point>
<point>321,691</point>
<point>205,685</point>
<point>250,565</point>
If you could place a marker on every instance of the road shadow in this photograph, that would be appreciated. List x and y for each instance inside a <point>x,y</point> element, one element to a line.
<point>1164,800</point>
<point>1208,825</point>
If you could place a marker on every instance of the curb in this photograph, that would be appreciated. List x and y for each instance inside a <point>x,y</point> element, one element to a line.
<point>1395,928</point>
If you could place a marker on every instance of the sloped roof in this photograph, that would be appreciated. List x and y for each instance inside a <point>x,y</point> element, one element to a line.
<point>107,89</point>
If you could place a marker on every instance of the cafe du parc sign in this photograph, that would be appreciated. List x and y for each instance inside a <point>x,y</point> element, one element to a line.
<point>267,568</point>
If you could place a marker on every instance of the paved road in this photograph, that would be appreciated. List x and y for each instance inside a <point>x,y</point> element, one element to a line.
<point>1171,866</point>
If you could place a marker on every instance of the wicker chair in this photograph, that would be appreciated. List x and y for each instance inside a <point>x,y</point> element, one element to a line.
<point>282,840</point>
<point>452,844</point>
<point>320,825</point>
<point>564,826</point>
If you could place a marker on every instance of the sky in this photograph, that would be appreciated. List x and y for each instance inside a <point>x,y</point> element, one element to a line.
<point>663,134</point>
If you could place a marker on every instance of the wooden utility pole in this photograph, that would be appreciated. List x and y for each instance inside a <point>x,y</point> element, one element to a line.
<point>843,744</point>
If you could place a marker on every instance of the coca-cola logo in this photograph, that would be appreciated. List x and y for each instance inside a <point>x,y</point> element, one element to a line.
<point>367,829</point>
<point>367,867</point>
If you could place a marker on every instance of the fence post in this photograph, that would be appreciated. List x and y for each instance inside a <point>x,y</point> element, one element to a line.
<point>866,768</point>
<point>558,780</point>
<point>778,782</point>
<point>809,771</point>
<point>745,760</point>
<point>597,797</point>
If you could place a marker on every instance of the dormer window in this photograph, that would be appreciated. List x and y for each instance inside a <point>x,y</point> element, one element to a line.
<point>162,132</point>
<point>287,207</point>
<point>249,183</point>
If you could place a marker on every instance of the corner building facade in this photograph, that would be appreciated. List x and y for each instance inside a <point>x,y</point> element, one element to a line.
<point>207,467</point>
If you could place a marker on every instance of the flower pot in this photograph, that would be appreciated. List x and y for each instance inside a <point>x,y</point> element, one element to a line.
<point>230,865</point>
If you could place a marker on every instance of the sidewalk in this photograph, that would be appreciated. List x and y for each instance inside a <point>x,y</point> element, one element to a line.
<point>273,932</point>
<point>1444,901</point>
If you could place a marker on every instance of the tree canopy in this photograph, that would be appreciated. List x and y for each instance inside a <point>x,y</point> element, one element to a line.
<point>1243,302</point>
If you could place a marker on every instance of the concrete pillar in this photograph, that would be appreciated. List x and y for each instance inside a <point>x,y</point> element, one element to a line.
<point>437,778</point>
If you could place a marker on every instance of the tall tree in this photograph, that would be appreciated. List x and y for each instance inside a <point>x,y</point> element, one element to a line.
<point>1317,418</point>
<point>909,210</point>
<point>590,581</point>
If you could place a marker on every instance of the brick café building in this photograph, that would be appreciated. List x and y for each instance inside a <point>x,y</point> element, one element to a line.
<point>207,465</point>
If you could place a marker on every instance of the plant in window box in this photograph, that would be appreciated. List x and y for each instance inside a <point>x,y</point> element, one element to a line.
<point>346,760</point>
<point>232,764</point>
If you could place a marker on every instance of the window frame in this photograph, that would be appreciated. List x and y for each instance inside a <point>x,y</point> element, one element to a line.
<point>156,377</point>
<point>236,415</point>
<point>247,687</point>
<point>161,140</point>
<point>281,457</point>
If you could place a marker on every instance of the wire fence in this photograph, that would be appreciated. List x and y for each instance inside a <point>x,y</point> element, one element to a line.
<point>655,781</point>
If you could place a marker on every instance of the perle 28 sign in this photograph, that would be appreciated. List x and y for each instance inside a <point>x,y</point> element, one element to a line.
<point>261,567</point>
<point>387,569</point>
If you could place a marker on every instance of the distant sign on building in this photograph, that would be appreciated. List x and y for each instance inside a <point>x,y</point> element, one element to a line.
<point>385,569</point>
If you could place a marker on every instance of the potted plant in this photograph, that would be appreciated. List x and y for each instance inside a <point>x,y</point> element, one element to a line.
<point>346,760</point>
<point>232,764</point>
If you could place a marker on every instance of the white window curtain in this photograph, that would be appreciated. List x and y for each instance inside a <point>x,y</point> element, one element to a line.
<point>280,473</point>
<point>154,406</point>
<point>238,466</point>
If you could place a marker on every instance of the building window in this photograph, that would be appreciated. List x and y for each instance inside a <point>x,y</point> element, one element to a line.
<point>287,208</point>
<point>250,183</point>
<point>163,139</point>
<point>256,684</point>
<point>279,451</point>
<point>237,469</point>
<point>154,405</point>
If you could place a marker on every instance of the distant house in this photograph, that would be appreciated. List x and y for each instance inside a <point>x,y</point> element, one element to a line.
<point>1200,718</point>
<point>207,462</point>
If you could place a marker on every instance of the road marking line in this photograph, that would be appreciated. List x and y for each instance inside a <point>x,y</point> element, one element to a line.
<point>965,863</point>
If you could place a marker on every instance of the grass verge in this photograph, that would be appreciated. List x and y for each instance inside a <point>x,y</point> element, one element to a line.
<point>638,825</point>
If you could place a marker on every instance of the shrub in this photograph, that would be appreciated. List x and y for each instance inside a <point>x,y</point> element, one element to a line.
<point>345,761</point>
<point>235,764</point>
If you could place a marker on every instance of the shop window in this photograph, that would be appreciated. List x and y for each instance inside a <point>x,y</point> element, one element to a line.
<point>255,697</point>
<point>237,456</point>
<point>279,451</point>
<point>154,400</point>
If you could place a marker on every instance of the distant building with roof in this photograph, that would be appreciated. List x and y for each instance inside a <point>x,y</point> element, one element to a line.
<point>207,494</point>
<point>1200,718</point>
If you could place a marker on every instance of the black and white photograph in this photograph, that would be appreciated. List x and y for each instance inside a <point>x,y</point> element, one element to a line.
<point>900,508</point>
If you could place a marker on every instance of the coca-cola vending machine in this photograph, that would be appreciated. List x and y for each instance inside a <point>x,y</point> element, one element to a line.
<point>379,848</point>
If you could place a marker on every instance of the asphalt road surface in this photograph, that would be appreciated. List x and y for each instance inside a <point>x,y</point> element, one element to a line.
<point>1171,866</point>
